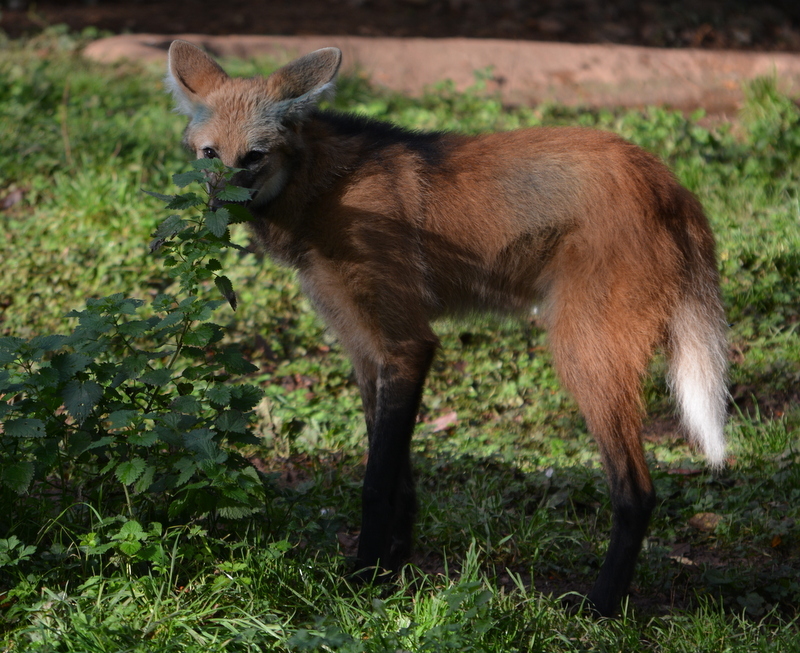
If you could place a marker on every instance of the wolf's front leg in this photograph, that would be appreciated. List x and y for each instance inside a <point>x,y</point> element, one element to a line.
<point>391,399</point>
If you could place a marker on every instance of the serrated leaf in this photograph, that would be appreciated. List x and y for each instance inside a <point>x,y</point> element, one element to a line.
<point>47,343</point>
<point>246,396</point>
<point>201,335</point>
<point>219,394</point>
<point>79,442</point>
<point>169,319</point>
<point>187,404</point>
<point>156,377</point>
<point>234,363</point>
<point>146,479</point>
<point>134,365</point>
<point>217,221</point>
<point>167,229</point>
<point>159,196</point>
<point>152,553</point>
<point>121,418</point>
<point>10,344</point>
<point>144,439</point>
<point>134,328</point>
<point>18,476</point>
<point>102,442</point>
<point>236,512</point>
<point>201,441</point>
<point>183,179</point>
<point>231,420</point>
<point>213,265</point>
<point>186,201</point>
<point>225,286</point>
<point>239,214</point>
<point>24,427</point>
<point>186,467</point>
<point>209,164</point>
<point>129,471</point>
<point>131,528</point>
<point>234,194</point>
<point>80,397</point>
<point>129,547</point>
<point>68,364</point>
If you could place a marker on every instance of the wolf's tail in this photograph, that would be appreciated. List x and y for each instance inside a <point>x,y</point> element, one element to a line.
<point>698,361</point>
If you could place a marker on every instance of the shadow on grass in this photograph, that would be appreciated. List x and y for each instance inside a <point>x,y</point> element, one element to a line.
<point>732,536</point>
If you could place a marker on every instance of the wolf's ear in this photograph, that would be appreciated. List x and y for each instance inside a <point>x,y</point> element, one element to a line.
<point>191,76</point>
<point>301,84</point>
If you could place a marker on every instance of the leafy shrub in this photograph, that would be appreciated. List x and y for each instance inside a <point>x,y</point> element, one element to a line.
<point>134,409</point>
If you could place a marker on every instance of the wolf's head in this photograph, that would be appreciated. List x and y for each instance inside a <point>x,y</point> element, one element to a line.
<point>248,123</point>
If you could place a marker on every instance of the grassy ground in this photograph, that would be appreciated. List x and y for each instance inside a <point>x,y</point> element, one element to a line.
<point>513,506</point>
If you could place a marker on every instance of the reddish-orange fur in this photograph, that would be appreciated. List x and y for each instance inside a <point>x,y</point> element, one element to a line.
<point>390,230</point>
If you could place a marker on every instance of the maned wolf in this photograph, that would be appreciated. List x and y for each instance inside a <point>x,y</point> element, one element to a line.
<point>390,229</point>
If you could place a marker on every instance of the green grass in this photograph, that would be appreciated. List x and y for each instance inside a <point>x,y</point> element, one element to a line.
<point>513,505</point>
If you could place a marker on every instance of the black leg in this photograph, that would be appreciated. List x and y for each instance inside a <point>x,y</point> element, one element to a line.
<point>388,496</point>
<point>633,500</point>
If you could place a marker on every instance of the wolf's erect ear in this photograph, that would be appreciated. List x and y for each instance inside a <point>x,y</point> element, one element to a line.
<point>301,84</point>
<point>191,76</point>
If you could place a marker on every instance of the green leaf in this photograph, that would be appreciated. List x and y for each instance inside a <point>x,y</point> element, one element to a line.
<point>156,377</point>
<point>119,419</point>
<point>146,479</point>
<point>231,420</point>
<point>225,286</point>
<point>159,196</point>
<point>186,467</point>
<point>187,404</point>
<point>11,345</point>
<point>78,442</point>
<point>233,361</point>
<point>25,427</point>
<point>129,471</point>
<point>131,528</point>
<point>215,165</point>
<point>47,343</point>
<point>239,214</point>
<point>246,396</point>
<point>234,194</point>
<point>236,512</point>
<point>183,179</point>
<point>201,441</point>
<point>219,394</point>
<point>186,201</point>
<point>80,397</point>
<point>169,227</point>
<point>102,442</point>
<point>217,221</point>
<point>202,335</point>
<point>68,364</point>
<point>135,328</point>
<point>129,547</point>
<point>144,439</point>
<point>170,319</point>
<point>18,476</point>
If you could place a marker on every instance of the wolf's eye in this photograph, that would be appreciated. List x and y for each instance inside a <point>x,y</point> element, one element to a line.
<point>209,153</point>
<point>253,157</point>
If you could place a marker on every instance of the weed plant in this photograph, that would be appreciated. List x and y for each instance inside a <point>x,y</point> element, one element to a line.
<point>163,492</point>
